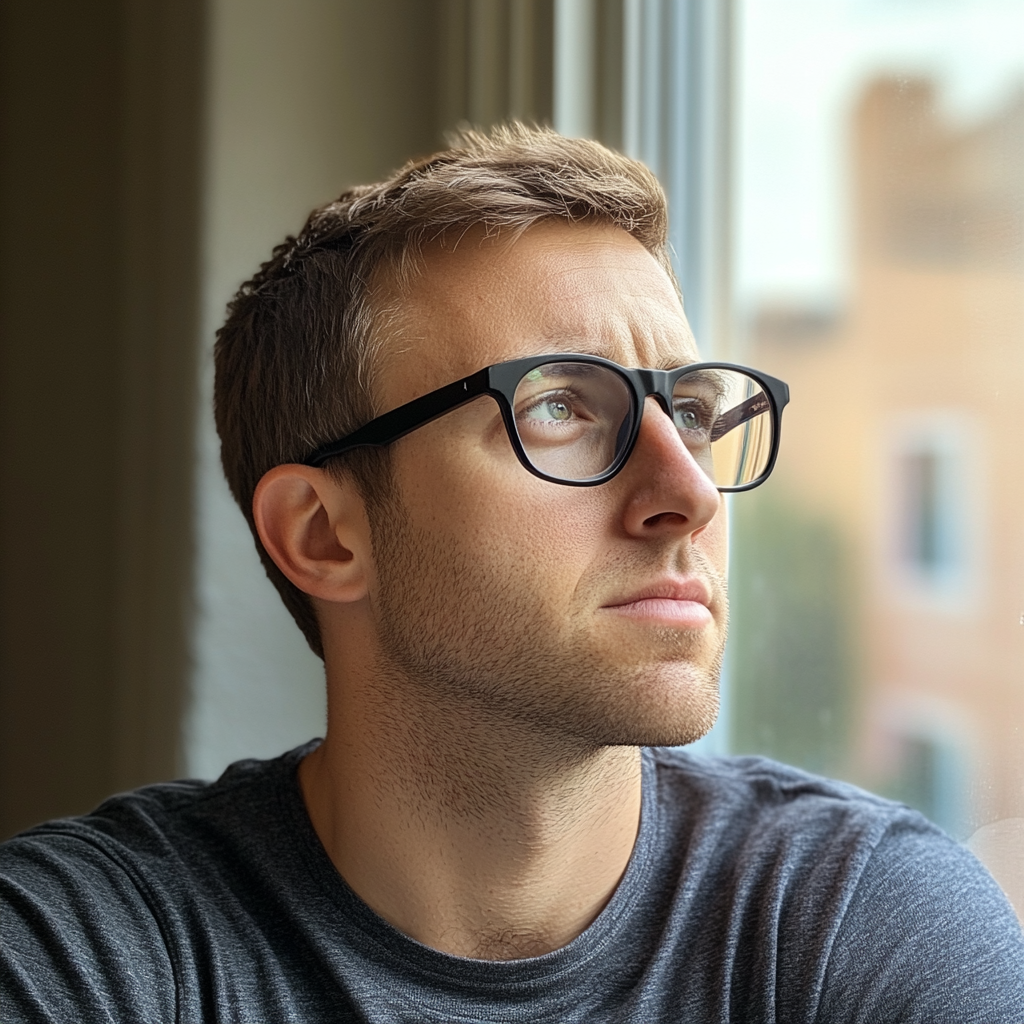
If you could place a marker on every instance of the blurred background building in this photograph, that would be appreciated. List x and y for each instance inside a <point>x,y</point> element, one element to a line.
<point>910,562</point>
<point>846,184</point>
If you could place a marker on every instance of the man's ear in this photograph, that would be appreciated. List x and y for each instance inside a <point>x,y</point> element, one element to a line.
<point>316,531</point>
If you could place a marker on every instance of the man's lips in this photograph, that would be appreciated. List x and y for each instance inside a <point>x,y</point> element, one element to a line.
<point>677,602</point>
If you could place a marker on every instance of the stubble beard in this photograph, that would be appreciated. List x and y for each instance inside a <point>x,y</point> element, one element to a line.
<point>471,639</point>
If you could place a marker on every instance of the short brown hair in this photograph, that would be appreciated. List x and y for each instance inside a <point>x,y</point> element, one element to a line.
<point>295,357</point>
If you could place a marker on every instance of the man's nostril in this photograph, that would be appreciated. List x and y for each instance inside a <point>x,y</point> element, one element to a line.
<point>662,517</point>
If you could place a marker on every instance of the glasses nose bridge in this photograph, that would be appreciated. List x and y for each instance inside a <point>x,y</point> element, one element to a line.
<point>657,384</point>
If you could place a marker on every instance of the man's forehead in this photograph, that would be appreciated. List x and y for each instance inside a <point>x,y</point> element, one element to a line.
<point>557,287</point>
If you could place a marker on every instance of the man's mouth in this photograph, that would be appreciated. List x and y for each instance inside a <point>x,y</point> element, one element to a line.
<point>682,602</point>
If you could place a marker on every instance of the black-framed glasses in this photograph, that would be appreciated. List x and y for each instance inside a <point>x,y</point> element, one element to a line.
<point>574,419</point>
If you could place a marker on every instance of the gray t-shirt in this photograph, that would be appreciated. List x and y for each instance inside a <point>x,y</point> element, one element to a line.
<point>755,893</point>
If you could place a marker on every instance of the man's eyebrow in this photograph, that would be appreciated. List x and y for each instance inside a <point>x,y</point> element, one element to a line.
<point>673,364</point>
<point>606,351</point>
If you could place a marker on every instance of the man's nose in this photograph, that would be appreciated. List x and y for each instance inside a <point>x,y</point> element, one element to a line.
<point>669,488</point>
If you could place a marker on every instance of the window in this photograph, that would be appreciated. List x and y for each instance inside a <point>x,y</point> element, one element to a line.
<point>876,231</point>
<point>933,500</point>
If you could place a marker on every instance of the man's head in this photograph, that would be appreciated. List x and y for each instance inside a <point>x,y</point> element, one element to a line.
<point>599,610</point>
<point>298,359</point>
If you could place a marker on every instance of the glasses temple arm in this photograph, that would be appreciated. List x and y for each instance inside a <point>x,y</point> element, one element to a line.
<point>385,429</point>
<point>753,406</point>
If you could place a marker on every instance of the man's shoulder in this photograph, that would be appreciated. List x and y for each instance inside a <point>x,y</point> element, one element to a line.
<point>147,832</point>
<point>844,893</point>
<point>776,832</point>
<point>106,915</point>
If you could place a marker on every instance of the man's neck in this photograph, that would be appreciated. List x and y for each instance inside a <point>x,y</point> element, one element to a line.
<point>476,840</point>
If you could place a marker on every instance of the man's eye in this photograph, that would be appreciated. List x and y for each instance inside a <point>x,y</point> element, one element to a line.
<point>550,410</point>
<point>688,417</point>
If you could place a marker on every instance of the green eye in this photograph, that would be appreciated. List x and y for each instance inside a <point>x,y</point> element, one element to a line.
<point>551,410</point>
<point>686,419</point>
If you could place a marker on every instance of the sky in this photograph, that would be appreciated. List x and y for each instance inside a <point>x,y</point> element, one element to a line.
<point>801,66</point>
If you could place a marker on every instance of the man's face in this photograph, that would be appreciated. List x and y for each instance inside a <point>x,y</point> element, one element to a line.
<point>597,614</point>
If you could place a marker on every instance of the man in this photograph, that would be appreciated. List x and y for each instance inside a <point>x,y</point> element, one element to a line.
<point>464,415</point>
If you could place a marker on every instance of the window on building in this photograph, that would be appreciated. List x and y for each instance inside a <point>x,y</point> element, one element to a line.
<point>932,512</point>
<point>925,542</point>
<point>935,506</point>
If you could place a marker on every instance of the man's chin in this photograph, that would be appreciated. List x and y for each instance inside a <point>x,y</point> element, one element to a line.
<point>662,710</point>
<point>671,734</point>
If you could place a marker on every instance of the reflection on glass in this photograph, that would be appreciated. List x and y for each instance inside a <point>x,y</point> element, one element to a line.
<point>880,271</point>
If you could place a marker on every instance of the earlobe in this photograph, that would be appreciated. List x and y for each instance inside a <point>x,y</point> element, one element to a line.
<point>315,529</point>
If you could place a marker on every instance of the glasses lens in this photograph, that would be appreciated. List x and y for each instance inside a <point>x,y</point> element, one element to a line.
<point>725,420</point>
<point>573,419</point>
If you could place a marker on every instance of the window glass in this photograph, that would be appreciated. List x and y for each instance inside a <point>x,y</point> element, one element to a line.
<point>878,267</point>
